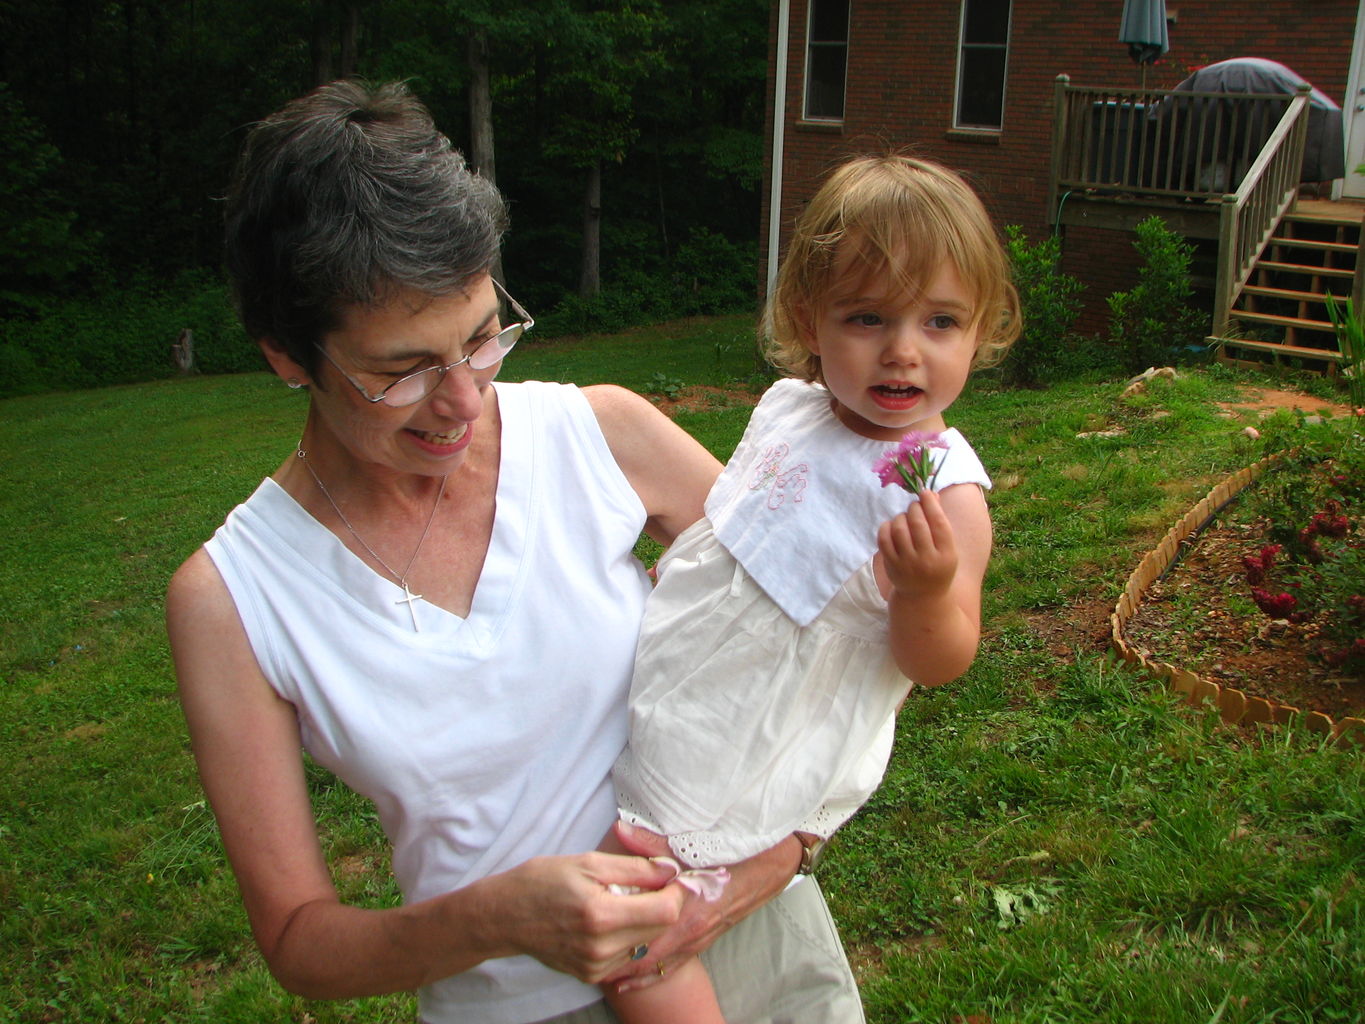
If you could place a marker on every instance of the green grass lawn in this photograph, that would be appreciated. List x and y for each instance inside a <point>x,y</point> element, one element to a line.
<point>1057,840</point>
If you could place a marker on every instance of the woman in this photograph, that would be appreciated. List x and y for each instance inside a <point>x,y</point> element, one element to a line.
<point>436,597</point>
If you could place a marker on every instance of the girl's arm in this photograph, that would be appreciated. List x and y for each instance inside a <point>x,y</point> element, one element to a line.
<point>930,562</point>
<point>246,742</point>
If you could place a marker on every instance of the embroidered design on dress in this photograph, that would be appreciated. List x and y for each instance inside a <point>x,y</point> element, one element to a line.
<point>782,483</point>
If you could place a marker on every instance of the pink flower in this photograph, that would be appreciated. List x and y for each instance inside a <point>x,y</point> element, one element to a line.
<point>910,464</point>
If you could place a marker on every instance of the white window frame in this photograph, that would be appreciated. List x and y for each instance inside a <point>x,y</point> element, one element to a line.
<point>962,47</point>
<point>811,44</point>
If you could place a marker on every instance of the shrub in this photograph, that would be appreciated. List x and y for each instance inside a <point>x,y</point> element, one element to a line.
<point>712,274</point>
<point>1153,324</point>
<point>1351,340</point>
<point>1051,302</point>
<point>19,373</point>
<point>707,274</point>
<point>1315,569</point>
<point>122,336</point>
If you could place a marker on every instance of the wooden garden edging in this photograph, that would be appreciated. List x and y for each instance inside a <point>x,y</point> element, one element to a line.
<point>1233,705</point>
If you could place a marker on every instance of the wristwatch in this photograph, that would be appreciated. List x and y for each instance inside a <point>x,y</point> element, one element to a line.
<point>812,849</point>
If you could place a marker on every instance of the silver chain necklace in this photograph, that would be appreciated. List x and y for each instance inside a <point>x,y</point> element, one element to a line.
<point>408,596</point>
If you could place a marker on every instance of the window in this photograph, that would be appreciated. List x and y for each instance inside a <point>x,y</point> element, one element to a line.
<point>826,59</point>
<point>981,62</point>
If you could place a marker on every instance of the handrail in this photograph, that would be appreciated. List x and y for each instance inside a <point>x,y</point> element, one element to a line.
<point>1248,217</point>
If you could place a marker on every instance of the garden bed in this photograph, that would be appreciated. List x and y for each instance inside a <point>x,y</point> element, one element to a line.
<point>1180,619</point>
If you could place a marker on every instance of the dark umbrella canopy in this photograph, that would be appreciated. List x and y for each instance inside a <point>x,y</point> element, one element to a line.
<point>1144,29</point>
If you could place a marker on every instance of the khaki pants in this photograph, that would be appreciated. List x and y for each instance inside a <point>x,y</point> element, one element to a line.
<point>783,964</point>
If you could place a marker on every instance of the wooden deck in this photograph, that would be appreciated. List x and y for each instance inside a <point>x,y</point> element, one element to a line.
<point>1331,211</point>
<point>1224,170</point>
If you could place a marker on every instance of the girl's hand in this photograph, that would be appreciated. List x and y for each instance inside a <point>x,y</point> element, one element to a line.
<point>752,883</point>
<point>919,550</point>
<point>929,564</point>
<point>558,910</point>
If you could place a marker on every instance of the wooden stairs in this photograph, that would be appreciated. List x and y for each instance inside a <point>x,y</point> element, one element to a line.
<point>1281,314</point>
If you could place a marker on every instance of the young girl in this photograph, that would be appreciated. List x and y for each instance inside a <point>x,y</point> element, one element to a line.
<point>790,622</point>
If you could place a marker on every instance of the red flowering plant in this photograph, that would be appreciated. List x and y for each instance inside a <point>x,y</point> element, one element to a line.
<point>1313,575</point>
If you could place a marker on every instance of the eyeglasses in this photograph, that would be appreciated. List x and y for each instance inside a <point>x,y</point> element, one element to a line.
<point>414,387</point>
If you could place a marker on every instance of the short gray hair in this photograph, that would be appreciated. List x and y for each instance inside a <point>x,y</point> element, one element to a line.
<point>344,197</point>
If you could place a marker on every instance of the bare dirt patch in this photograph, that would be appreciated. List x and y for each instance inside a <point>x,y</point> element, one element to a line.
<point>701,397</point>
<point>1261,402</point>
<point>1196,616</point>
<point>1193,618</point>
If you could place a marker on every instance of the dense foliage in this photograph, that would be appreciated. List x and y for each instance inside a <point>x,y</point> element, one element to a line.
<point>123,119</point>
<point>627,135</point>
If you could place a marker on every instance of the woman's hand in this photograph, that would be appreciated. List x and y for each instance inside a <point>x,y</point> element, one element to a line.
<point>559,910</point>
<point>752,883</point>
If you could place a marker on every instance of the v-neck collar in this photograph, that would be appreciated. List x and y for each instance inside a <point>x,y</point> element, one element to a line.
<point>376,595</point>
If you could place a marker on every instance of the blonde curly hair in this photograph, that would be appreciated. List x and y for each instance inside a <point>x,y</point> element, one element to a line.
<point>893,214</point>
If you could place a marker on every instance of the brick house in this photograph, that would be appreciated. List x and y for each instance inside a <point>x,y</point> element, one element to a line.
<point>974,84</point>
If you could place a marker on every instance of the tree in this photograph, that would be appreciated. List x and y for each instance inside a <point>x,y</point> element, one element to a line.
<point>330,19</point>
<point>40,246</point>
<point>625,129</point>
<point>598,59</point>
<point>481,152</point>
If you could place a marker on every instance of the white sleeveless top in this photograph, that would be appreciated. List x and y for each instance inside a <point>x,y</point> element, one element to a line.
<point>765,694</point>
<point>482,741</point>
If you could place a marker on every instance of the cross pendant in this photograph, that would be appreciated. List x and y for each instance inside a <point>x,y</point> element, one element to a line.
<point>409,597</point>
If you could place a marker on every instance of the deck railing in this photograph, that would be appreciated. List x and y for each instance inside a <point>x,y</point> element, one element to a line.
<point>1249,216</point>
<point>1243,152</point>
<point>1160,143</point>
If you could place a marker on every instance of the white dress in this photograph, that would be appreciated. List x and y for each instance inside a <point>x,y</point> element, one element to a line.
<point>764,694</point>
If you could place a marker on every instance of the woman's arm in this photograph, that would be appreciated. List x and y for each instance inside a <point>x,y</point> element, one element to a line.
<point>246,742</point>
<point>670,471</point>
<point>930,563</point>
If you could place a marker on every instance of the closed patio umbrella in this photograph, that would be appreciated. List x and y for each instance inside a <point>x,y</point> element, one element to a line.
<point>1144,30</point>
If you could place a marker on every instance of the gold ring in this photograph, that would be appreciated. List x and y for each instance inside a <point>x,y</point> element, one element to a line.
<point>660,966</point>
